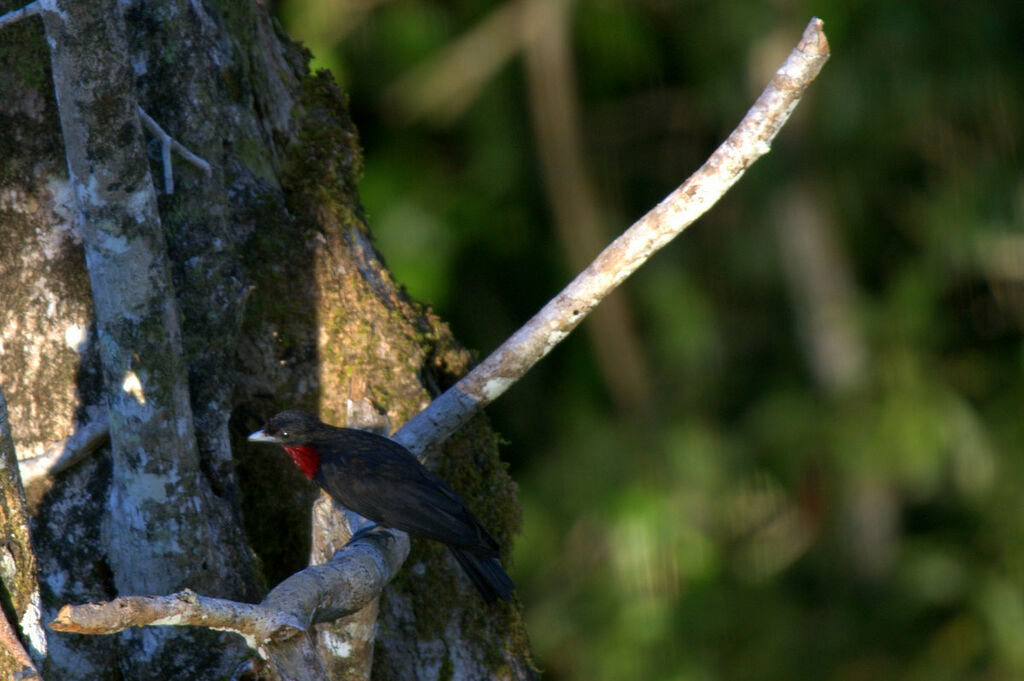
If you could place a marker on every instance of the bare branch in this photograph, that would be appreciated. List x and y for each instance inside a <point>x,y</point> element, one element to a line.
<point>29,10</point>
<point>185,608</point>
<point>166,144</point>
<point>748,142</point>
<point>353,579</point>
<point>348,584</point>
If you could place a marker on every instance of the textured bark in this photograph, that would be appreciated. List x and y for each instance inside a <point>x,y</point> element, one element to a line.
<point>162,529</point>
<point>17,563</point>
<point>355,632</point>
<point>281,301</point>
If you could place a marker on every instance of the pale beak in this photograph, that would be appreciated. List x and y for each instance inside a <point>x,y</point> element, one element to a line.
<point>260,436</point>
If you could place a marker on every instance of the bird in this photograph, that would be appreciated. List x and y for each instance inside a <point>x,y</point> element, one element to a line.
<point>383,481</point>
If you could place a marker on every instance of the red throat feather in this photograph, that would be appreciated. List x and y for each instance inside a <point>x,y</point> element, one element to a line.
<point>306,458</point>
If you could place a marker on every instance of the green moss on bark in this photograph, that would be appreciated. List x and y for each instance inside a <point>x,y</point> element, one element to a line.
<point>323,167</point>
<point>376,343</point>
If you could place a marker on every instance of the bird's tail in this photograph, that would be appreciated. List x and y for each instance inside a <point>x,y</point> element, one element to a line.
<point>486,573</point>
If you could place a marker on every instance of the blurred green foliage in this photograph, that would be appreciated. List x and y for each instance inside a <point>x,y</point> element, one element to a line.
<point>821,474</point>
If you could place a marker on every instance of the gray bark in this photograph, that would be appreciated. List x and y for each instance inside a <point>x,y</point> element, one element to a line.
<point>17,562</point>
<point>196,315</point>
<point>160,510</point>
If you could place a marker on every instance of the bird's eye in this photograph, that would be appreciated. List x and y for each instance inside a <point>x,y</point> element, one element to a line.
<point>284,433</point>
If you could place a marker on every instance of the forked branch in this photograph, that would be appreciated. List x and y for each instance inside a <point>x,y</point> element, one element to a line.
<point>749,141</point>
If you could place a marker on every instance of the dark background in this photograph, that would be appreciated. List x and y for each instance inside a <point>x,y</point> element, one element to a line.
<point>799,454</point>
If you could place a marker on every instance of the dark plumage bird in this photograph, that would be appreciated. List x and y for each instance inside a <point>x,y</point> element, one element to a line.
<point>381,480</point>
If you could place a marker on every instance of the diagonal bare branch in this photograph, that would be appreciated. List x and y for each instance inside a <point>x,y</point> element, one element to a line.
<point>748,142</point>
<point>29,10</point>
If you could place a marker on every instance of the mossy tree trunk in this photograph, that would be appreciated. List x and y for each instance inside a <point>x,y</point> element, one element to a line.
<point>280,301</point>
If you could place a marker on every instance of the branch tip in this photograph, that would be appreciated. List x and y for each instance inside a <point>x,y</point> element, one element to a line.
<point>64,620</point>
<point>814,42</point>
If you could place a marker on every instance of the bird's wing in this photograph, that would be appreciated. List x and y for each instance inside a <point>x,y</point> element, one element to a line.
<point>378,478</point>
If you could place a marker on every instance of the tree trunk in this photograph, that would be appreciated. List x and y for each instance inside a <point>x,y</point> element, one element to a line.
<point>245,291</point>
<point>18,565</point>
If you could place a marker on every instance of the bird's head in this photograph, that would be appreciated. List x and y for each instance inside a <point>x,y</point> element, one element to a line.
<point>290,427</point>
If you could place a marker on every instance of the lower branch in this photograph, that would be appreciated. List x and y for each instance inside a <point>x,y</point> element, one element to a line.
<point>279,625</point>
<point>185,608</point>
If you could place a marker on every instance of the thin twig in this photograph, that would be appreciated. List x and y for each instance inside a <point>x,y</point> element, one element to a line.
<point>82,442</point>
<point>748,142</point>
<point>166,144</point>
<point>29,10</point>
